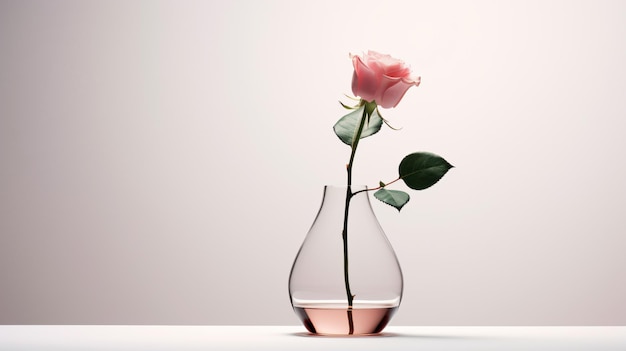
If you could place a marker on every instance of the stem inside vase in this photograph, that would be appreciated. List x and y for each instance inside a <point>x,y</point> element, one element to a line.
<point>345,262</point>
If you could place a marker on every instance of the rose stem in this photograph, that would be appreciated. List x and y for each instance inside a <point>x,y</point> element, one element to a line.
<point>349,194</point>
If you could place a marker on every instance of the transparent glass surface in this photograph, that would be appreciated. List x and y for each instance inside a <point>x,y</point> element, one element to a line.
<point>317,283</point>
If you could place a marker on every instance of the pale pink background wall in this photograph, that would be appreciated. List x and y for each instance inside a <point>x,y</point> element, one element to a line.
<point>161,161</point>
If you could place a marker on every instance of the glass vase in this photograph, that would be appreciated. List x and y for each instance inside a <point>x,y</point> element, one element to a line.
<point>346,279</point>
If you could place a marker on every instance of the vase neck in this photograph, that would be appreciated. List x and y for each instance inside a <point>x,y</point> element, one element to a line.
<point>336,195</point>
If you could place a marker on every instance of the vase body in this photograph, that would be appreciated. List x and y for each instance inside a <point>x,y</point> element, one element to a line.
<point>318,280</point>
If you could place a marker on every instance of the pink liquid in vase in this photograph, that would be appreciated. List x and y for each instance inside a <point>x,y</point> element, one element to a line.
<point>334,321</point>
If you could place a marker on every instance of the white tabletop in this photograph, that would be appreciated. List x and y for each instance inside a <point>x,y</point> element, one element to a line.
<point>275,338</point>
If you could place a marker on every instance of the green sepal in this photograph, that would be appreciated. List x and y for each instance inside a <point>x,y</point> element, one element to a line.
<point>348,107</point>
<point>348,125</point>
<point>395,198</point>
<point>421,170</point>
<point>370,107</point>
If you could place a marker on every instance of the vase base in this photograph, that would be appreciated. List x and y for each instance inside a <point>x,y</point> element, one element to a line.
<point>335,321</point>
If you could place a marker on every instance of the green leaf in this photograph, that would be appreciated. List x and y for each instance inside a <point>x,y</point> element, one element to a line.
<point>395,198</point>
<point>422,170</point>
<point>348,125</point>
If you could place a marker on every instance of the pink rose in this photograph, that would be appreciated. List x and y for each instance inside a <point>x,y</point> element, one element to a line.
<point>381,78</point>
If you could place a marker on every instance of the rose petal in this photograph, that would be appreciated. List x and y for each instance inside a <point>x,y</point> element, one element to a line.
<point>365,80</point>
<point>394,90</point>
